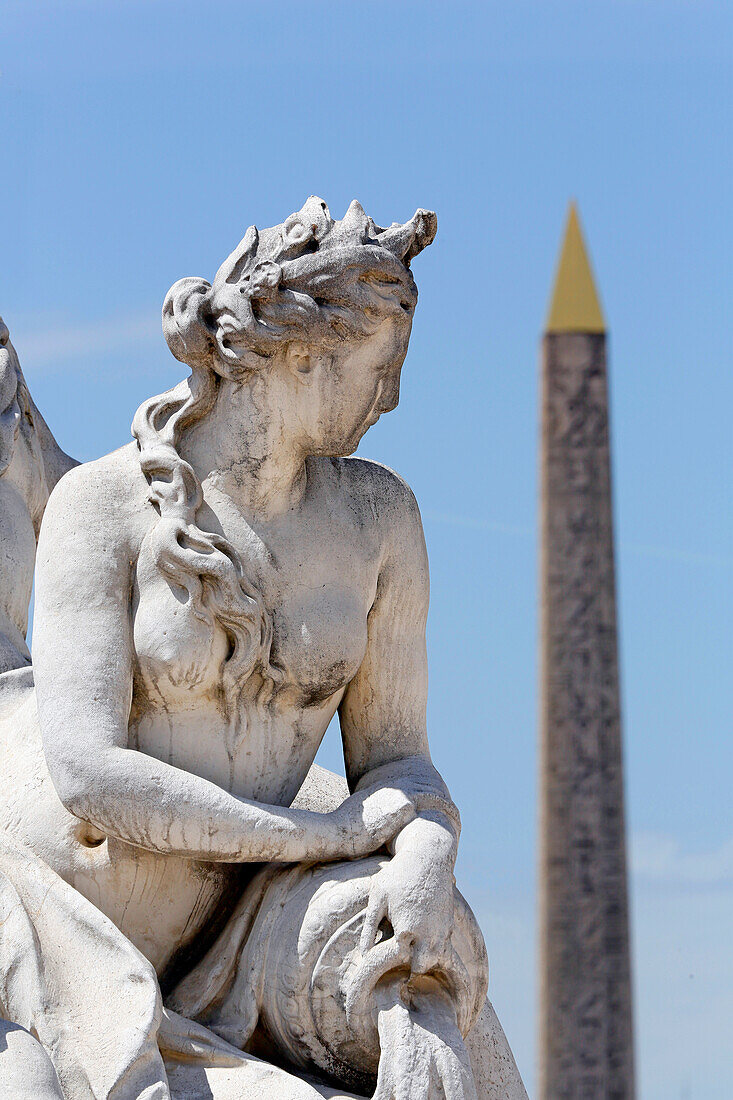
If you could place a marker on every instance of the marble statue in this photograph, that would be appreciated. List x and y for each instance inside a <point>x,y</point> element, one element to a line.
<point>190,908</point>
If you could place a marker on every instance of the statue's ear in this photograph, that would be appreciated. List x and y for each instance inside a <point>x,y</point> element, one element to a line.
<point>54,461</point>
<point>301,360</point>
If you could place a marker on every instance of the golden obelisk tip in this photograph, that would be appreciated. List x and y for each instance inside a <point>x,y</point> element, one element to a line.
<point>575,306</point>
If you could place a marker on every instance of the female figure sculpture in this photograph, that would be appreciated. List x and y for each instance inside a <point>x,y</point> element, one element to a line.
<point>207,598</point>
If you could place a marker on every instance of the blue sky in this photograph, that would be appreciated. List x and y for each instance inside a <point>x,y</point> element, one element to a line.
<point>139,142</point>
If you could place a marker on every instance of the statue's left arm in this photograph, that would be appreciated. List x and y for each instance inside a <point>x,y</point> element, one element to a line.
<point>384,731</point>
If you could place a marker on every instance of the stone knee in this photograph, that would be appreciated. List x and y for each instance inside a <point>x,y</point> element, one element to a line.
<point>26,1071</point>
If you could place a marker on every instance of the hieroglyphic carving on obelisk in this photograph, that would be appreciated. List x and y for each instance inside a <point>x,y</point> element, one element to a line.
<point>586,1034</point>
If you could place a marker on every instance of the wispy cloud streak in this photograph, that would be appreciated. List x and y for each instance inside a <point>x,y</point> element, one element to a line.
<point>476,523</point>
<point>52,348</point>
<point>658,857</point>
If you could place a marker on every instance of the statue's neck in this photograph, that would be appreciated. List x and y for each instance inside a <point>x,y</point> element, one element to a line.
<point>245,447</point>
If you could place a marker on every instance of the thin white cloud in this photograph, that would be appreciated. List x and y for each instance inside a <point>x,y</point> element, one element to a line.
<point>476,523</point>
<point>658,857</point>
<point>45,350</point>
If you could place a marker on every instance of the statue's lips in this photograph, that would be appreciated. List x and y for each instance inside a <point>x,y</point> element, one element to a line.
<point>379,406</point>
<point>378,411</point>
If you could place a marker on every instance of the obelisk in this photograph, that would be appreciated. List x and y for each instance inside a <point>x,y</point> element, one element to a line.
<point>586,1032</point>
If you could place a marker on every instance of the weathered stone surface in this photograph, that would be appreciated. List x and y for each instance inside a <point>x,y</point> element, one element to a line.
<point>177,922</point>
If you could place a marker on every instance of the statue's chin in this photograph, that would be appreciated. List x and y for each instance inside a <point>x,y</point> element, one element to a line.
<point>348,447</point>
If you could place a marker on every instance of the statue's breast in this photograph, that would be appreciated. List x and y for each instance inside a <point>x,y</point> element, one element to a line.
<point>262,750</point>
<point>178,651</point>
<point>320,638</point>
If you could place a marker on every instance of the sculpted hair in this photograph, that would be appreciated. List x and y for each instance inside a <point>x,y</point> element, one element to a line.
<point>313,279</point>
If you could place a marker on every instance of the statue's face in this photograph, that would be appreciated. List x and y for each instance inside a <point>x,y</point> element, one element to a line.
<point>8,359</point>
<point>21,443</point>
<point>353,386</point>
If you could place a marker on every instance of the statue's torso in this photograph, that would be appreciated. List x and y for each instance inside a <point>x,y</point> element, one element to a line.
<point>317,574</point>
<point>319,581</point>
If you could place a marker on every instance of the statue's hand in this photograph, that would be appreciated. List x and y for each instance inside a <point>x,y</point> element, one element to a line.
<point>414,892</point>
<point>368,820</point>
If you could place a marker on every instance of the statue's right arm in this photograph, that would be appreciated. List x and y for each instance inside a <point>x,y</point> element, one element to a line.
<point>83,662</point>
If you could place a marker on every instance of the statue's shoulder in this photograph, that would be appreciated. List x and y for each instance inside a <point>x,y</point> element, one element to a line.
<point>107,491</point>
<point>382,492</point>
